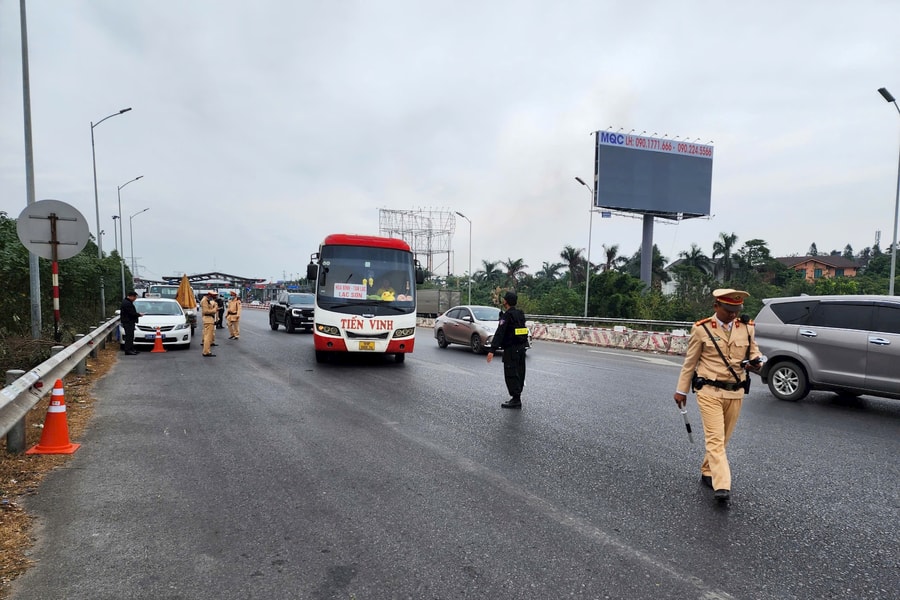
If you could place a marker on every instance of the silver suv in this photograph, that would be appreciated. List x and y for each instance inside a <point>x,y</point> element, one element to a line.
<point>846,344</point>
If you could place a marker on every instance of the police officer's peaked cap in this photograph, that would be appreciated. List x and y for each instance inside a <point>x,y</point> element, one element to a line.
<point>213,292</point>
<point>732,300</point>
<point>511,297</point>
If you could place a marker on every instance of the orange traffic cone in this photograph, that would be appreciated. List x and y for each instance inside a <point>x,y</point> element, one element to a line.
<point>55,436</point>
<point>157,344</point>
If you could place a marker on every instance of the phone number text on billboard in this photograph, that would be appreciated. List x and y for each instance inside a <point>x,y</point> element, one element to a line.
<point>655,144</point>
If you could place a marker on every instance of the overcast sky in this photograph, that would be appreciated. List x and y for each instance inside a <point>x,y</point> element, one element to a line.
<point>260,127</point>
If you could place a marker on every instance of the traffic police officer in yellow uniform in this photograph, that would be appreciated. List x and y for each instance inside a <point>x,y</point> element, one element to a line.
<point>721,349</point>
<point>209,309</point>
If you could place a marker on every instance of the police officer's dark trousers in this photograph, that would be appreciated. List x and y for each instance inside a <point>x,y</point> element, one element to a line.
<point>514,370</point>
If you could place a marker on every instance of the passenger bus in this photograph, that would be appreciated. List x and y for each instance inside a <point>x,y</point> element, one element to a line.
<point>365,288</point>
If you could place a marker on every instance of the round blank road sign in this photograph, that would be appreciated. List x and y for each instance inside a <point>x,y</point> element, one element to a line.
<point>34,229</point>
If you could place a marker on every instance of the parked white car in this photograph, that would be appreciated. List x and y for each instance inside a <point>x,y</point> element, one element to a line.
<point>162,313</point>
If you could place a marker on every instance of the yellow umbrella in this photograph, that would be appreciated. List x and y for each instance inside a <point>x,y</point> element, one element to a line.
<point>185,296</point>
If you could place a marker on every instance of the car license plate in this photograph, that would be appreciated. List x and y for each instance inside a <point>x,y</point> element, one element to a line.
<point>150,336</point>
<point>367,345</point>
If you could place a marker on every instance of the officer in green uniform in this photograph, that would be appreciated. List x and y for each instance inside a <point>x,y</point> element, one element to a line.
<point>721,349</point>
<point>512,336</point>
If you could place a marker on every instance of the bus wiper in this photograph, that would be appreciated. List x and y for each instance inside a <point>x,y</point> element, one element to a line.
<point>349,277</point>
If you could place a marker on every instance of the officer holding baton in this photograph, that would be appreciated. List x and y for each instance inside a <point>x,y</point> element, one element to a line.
<point>721,350</point>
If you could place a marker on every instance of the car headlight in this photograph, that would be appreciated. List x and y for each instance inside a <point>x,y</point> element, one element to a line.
<point>405,332</point>
<point>182,326</point>
<point>328,330</point>
<point>296,312</point>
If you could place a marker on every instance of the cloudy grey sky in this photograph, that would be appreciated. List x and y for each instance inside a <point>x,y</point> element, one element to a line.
<point>260,127</point>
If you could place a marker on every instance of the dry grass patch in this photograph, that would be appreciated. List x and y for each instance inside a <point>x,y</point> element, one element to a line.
<point>20,475</point>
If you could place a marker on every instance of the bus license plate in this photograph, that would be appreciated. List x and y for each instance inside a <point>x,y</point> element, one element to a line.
<point>367,345</point>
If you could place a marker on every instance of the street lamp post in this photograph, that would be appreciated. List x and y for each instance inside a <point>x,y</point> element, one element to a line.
<point>121,235</point>
<point>131,237</point>
<point>470,253</point>
<point>97,208</point>
<point>587,262</point>
<point>889,98</point>
<point>116,244</point>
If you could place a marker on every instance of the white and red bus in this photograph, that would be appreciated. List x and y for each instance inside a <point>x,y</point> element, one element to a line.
<point>365,289</point>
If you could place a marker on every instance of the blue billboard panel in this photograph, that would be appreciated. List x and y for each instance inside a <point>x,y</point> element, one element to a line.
<point>647,175</point>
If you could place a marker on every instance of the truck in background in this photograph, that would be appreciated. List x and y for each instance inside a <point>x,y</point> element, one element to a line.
<point>432,303</point>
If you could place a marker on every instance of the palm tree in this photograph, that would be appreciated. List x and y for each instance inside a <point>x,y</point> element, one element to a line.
<point>515,269</point>
<point>695,258</point>
<point>574,262</point>
<point>490,273</point>
<point>612,258</point>
<point>722,247</point>
<point>549,271</point>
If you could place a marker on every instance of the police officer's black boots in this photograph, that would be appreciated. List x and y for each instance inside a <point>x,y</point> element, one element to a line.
<point>514,402</point>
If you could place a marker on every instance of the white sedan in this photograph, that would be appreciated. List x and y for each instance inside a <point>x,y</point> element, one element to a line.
<point>163,314</point>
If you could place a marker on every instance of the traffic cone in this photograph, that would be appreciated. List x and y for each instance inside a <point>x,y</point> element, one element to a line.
<point>55,436</point>
<point>157,344</point>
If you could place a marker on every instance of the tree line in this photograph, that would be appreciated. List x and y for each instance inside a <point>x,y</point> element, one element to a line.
<point>79,288</point>
<point>556,288</point>
<point>616,290</point>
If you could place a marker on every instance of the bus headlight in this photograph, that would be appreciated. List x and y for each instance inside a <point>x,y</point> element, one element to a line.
<point>328,330</point>
<point>405,332</point>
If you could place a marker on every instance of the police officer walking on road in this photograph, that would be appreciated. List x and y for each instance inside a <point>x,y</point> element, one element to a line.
<point>512,336</point>
<point>721,350</point>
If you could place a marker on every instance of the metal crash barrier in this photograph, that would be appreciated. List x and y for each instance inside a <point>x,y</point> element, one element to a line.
<point>20,396</point>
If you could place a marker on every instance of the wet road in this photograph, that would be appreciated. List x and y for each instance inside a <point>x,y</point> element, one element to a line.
<point>261,474</point>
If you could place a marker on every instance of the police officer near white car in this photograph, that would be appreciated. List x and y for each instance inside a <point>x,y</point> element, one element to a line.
<point>721,352</point>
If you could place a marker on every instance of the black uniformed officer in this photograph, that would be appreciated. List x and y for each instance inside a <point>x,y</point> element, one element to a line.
<point>512,336</point>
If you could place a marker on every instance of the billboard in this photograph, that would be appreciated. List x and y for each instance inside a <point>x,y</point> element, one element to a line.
<point>655,176</point>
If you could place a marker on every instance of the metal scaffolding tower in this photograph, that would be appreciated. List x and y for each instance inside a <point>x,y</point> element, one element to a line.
<point>428,231</point>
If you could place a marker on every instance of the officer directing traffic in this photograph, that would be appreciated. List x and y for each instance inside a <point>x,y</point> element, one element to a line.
<point>512,336</point>
<point>721,349</point>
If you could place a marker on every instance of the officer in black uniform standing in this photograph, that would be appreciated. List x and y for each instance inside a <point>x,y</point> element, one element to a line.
<point>512,336</point>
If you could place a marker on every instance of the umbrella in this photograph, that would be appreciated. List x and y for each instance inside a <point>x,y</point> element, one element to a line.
<point>185,296</point>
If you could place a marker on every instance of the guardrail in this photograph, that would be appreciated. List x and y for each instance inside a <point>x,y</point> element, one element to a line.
<point>587,330</point>
<point>20,396</point>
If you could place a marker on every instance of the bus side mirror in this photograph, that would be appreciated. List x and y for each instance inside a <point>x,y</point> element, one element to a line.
<point>311,270</point>
<point>420,276</point>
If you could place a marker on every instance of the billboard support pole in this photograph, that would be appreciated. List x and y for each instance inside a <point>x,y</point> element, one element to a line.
<point>647,251</point>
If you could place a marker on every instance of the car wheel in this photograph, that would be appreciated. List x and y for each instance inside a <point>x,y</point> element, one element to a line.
<point>477,345</point>
<point>442,339</point>
<point>787,381</point>
<point>273,322</point>
<point>399,358</point>
<point>288,322</point>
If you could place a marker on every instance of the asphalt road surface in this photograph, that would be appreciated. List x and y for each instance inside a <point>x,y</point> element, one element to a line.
<point>261,474</point>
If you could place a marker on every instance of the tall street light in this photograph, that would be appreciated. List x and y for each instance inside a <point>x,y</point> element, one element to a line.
<point>121,236</point>
<point>470,253</point>
<point>587,262</point>
<point>116,243</point>
<point>131,237</point>
<point>887,96</point>
<point>97,208</point>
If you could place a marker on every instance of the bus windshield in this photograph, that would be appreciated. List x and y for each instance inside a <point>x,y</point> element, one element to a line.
<point>164,291</point>
<point>381,280</point>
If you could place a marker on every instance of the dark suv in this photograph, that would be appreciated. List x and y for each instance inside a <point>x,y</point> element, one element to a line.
<point>846,344</point>
<point>293,310</point>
